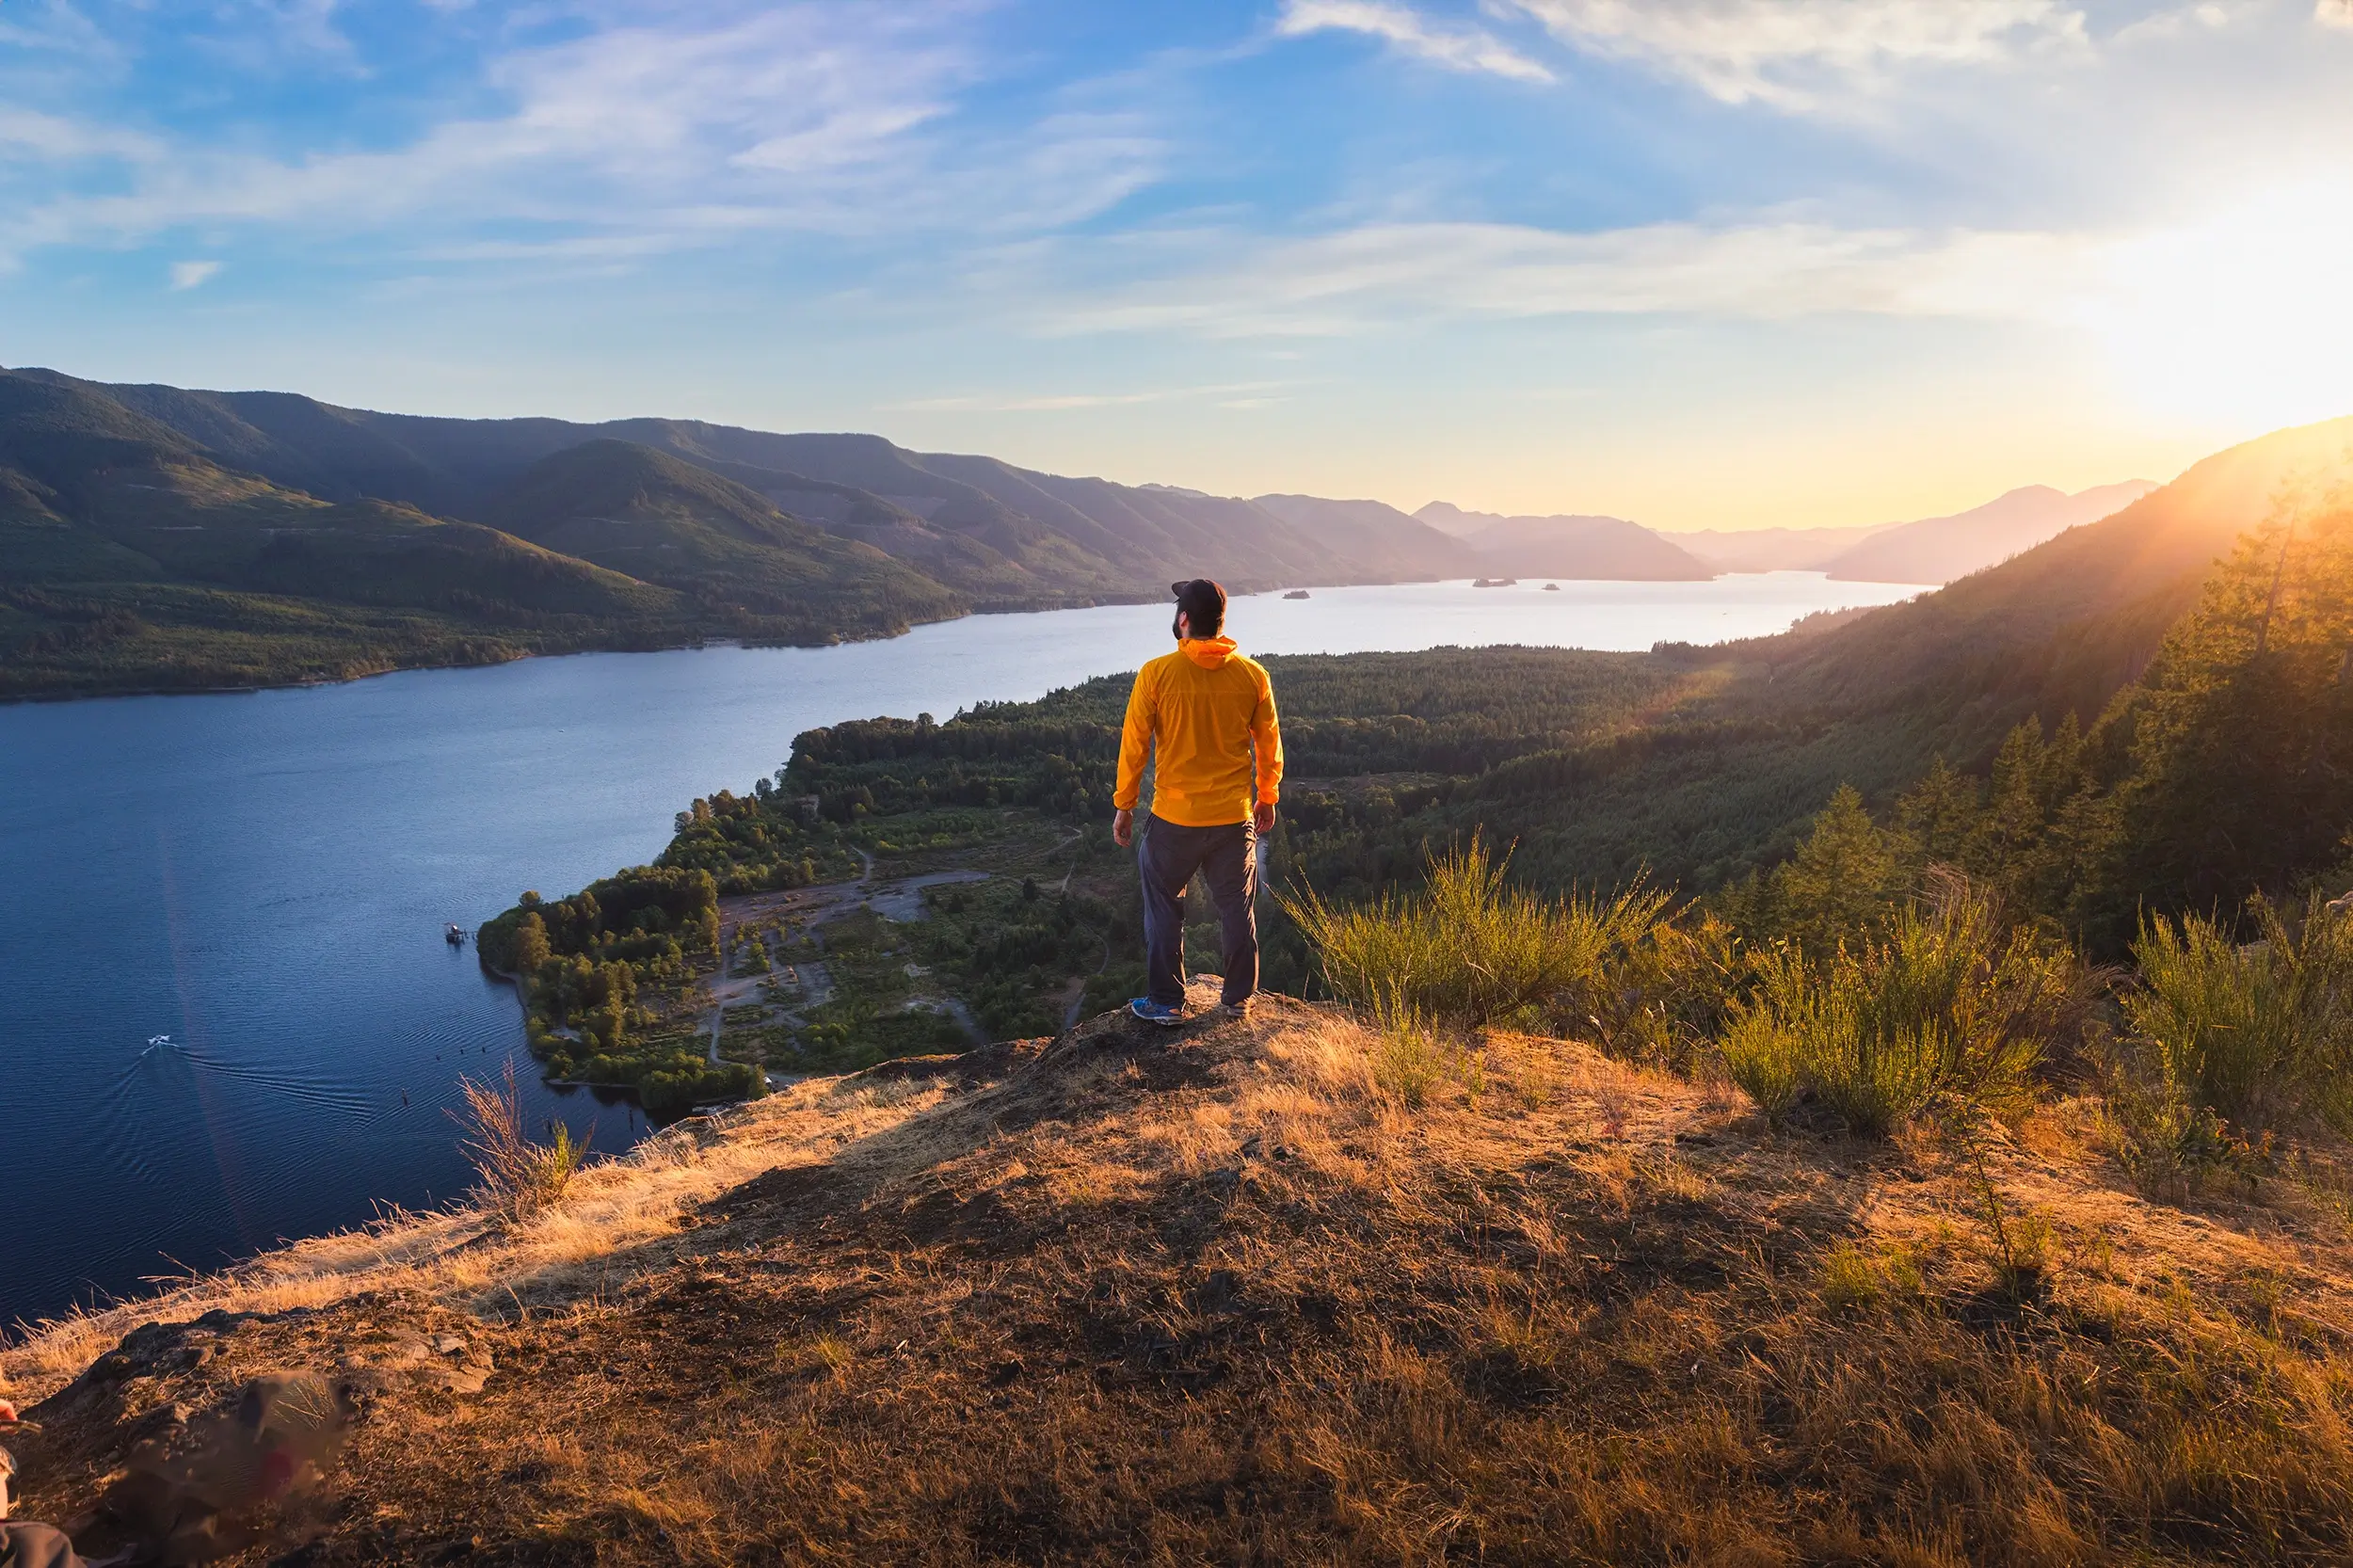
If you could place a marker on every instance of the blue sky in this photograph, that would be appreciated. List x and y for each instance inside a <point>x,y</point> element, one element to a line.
<point>1702,263</point>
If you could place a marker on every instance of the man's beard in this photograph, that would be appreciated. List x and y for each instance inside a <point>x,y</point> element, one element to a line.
<point>1176,625</point>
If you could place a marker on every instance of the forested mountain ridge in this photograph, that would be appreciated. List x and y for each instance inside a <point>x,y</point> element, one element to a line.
<point>157,537</point>
<point>2059,627</point>
<point>1725,779</point>
<point>129,557</point>
<point>1114,538</point>
<point>634,510</point>
<point>161,537</point>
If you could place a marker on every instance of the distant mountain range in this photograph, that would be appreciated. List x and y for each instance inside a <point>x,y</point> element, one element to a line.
<point>1566,546</point>
<point>157,536</point>
<point>1933,550</point>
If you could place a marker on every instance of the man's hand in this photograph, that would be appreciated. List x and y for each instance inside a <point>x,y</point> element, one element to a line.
<point>1263,817</point>
<point>1123,828</point>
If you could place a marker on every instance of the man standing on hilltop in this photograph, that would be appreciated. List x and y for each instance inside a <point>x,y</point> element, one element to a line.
<point>1199,714</point>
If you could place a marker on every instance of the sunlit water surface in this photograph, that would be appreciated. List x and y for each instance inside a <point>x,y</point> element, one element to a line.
<point>256,885</point>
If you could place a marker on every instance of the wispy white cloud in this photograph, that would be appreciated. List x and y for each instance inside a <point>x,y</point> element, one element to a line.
<point>55,25</point>
<point>814,117</point>
<point>55,137</point>
<point>1791,53</point>
<point>1344,283</point>
<point>2333,13</point>
<point>188,275</point>
<point>1456,48</point>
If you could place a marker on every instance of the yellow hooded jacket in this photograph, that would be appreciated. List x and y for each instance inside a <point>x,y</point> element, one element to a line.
<point>1199,714</point>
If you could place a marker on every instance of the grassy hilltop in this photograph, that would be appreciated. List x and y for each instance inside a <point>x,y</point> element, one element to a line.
<point>1247,1293</point>
<point>1893,1105</point>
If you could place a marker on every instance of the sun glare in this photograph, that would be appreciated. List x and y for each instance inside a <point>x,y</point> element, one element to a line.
<point>2245,318</point>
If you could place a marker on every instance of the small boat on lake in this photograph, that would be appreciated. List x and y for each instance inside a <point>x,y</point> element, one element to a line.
<point>455,935</point>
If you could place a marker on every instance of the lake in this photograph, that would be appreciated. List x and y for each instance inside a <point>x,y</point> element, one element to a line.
<point>256,885</point>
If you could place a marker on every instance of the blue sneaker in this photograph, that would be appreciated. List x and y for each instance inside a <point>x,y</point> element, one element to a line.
<point>1156,1012</point>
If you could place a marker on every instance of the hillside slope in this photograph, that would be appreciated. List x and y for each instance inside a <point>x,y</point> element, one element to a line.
<point>1572,547</point>
<point>1218,1295</point>
<point>638,511</point>
<point>1375,535</point>
<point>2064,624</point>
<point>1938,549</point>
<point>1724,778</point>
<point>1772,549</point>
<point>1047,538</point>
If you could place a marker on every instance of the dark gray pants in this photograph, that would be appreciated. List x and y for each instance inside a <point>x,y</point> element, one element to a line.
<point>1227,859</point>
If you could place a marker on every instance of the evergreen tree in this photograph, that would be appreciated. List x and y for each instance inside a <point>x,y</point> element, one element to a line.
<point>2241,732</point>
<point>1842,881</point>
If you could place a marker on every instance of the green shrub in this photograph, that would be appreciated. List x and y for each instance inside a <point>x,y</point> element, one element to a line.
<point>1661,1000</point>
<point>1948,1002</point>
<point>2254,1033</point>
<point>1467,951</point>
<point>1410,1057</point>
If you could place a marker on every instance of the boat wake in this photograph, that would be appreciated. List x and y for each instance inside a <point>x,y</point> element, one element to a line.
<point>162,1048</point>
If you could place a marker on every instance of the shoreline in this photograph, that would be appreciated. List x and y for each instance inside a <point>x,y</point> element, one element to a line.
<point>9,699</point>
<point>13,698</point>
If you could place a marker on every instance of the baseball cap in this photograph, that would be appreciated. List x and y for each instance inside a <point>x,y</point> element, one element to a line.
<point>1201,600</point>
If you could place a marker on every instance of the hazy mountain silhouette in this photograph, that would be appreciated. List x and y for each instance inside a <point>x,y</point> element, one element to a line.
<point>1575,547</point>
<point>1772,549</point>
<point>1939,549</point>
<point>1381,540</point>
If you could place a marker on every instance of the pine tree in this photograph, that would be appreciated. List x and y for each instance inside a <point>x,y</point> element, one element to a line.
<point>1844,879</point>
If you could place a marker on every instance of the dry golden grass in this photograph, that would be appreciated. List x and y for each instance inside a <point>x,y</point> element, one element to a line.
<point>1221,1296</point>
<point>471,1258</point>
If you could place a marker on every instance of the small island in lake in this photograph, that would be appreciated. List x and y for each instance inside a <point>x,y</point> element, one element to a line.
<point>1552,587</point>
<point>1495,583</point>
<point>1296,593</point>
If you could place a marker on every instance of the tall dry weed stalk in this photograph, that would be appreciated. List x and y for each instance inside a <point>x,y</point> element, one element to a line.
<point>515,1176</point>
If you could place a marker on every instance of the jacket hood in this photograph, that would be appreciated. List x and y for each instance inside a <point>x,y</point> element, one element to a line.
<point>1208,652</point>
